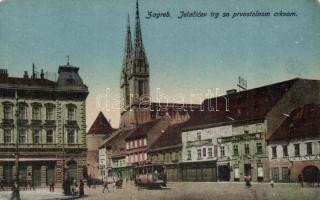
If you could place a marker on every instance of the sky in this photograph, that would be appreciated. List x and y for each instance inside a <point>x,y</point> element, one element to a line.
<point>186,56</point>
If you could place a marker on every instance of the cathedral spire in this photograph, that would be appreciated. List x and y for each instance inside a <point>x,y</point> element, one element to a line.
<point>139,50</point>
<point>128,45</point>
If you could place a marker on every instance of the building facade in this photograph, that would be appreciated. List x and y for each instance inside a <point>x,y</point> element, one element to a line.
<point>200,151</point>
<point>43,127</point>
<point>245,152</point>
<point>294,148</point>
<point>99,130</point>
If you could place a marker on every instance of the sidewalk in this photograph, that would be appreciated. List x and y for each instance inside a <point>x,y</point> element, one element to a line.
<point>38,194</point>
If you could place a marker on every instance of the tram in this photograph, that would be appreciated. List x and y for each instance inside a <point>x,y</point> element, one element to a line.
<point>150,176</point>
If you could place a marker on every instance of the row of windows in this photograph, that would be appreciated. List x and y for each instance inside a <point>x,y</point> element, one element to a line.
<point>246,149</point>
<point>136,143</point>
<point>22,111</point>
<point>202,153</point>
<point>36,136</point>
<point>285,174</point>
<point>137,157</point>
<point>309,150</point>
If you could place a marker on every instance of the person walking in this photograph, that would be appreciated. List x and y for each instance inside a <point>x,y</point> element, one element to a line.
<point>300,178</point>
<point>52,186</point>
<point>105,185</point>
<point>81,188</point>
<point>15,191</point>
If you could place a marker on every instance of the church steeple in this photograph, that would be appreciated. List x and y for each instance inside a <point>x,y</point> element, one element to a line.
<point>139,50</point>
<point>128,45</point>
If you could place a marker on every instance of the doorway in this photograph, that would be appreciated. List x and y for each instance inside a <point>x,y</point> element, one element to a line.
<point>247,169</point>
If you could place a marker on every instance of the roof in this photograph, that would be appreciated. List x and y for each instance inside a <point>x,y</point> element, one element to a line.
<point>26,81</point>
<point>302,122</point>
<point>142,130</point>
<point>246,105</point>
<point>169,138</point>
<point>100,125</point>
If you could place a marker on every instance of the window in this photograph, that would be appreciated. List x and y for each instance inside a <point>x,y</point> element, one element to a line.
<point>274,152</point>
<point>285,174</point>
<point>222,151</point>
<point>260,170</point>
<point>199,136</point>
<point>36,115</point>
<point>22,136</point>
<point>35,136</point>
<point>296,150</point>
<point>246,148</point>
<point>49,138</point>
<point>199,153</point>
<point>71,114</point>
<point>285,150</point>
<point>7,136</point>
<point>50,113</point>
<point>144,141</point>
<point>259,148</point>
<point>235,150</point>
<point>210,152</point>
<point>275,174</point>
<point>246,132</point>
<point>309,148</point>
<point>127,145</point>
<point>7,111</point>
<point>22,111</point>
<point>71,137</point>
<point>204,152</point>
<point>140,87</point>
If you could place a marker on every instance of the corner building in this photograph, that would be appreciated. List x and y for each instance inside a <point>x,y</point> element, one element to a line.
<point>43,123</point>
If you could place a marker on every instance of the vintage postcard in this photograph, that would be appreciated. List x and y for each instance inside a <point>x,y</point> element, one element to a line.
<point>170,99</point>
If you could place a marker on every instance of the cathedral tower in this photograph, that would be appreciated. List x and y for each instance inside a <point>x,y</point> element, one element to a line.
<point>135,79</point>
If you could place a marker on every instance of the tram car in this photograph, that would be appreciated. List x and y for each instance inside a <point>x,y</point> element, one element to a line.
<point>150,176</point>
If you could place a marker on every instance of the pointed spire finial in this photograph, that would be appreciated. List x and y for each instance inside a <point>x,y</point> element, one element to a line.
<point>68,60</point>
<point>128,44</point>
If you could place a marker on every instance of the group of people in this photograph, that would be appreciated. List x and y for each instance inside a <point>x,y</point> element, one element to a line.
<point>71,187</point>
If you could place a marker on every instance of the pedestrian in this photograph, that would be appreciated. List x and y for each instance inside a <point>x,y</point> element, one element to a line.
<point>105,185</point>
<point>300,178</point>
<point>247,180</point>
<point>1,185</point>
<point>81,188</point>
<point>271,183</point>
<point>52,186</point>
<point>15,191</point>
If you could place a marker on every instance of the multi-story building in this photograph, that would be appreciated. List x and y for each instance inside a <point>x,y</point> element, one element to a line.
<point>294,147</point>
<point>200,151</point>
<point>245,151</point>
<point>43,127</point>
<point>166,152</point>
<point>99,130</point>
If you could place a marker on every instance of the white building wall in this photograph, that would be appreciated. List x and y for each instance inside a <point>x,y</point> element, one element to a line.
<point>206,133</point>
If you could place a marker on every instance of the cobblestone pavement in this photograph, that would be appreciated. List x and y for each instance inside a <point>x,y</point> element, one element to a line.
<point>197,190</point>
<point>185,190</point>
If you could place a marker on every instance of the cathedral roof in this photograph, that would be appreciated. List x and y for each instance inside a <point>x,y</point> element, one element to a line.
<point>302,122</point>
<point>101,126</point>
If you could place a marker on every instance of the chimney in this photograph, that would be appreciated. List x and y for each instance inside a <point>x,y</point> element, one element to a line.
<point>4,73</point>
<point>232,91</point>
<point>25,75</point>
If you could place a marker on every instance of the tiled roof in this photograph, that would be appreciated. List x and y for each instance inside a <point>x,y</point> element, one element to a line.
<point>26,81</point>
<point>170,137</point>
<point>142,130</point>
<point>100,126</point>
<point>243,106</point>
<point>303,122</point>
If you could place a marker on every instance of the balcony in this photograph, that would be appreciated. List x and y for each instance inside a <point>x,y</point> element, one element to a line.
<point>36,122</point>
<point>71,122</point>
<point>50,122</point>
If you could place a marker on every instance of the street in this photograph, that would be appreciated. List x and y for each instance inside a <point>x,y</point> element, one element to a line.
<point>185,190</point>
